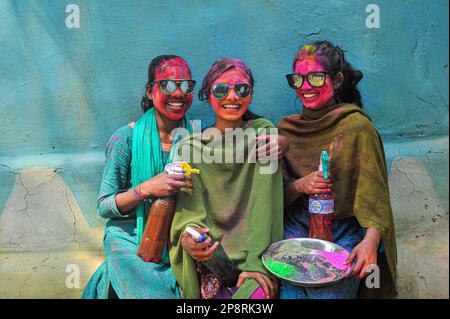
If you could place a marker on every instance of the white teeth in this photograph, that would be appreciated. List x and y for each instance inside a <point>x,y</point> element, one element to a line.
<point>175,104</point>
<point>310,95</point>
<point>231,106</point>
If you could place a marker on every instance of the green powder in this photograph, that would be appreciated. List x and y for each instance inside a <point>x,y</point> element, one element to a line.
<point>280,268</point>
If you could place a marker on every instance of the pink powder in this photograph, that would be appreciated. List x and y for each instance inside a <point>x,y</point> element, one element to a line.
<point>258,294</point>
<point>336,259</point>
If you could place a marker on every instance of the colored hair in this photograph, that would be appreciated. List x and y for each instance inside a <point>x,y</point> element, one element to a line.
<point>218,68</point>
<point>333,60</point>
<point>147,103</point>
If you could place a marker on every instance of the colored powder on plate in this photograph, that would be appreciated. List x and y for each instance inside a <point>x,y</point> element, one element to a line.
<point>336,259</point>
<point>280,268</point>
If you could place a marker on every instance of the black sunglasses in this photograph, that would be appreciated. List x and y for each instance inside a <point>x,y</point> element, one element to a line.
<point>169,86</point>
<point>221,90</point>
<point>315,79</point>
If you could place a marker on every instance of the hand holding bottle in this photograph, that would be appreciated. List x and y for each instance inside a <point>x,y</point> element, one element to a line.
<point>164,184</point>
<point>314,183</point>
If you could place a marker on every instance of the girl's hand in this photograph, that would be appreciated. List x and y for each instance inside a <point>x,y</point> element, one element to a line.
<point>275,147</point>
<point>199,251</point>
<point>270,287</point>
<point>365,253</point>
<point>163,185</point>
<point>314,183</point>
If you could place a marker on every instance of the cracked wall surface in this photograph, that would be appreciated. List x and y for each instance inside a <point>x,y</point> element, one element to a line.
<point>42,231</point>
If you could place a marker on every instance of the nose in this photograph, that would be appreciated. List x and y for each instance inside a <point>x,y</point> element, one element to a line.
<point>306,85</point>
<point>178,93</point>
<point>232,94</point>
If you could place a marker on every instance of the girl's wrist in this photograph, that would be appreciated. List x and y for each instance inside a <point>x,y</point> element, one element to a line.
<point>139,194</point>
<point>299,186</point>
<point>373,235</point>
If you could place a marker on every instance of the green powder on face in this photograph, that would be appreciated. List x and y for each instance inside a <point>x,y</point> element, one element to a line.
<point>312,267</point>
<point>280,268</point>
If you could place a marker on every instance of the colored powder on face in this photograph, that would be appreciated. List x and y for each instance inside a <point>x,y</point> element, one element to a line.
<point>307,52</point>
<point>280,268</point>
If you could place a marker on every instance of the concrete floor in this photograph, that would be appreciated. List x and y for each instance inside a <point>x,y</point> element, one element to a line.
<point>43,233</point>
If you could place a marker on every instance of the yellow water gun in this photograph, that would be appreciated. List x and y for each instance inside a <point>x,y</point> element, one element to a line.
<point>188,170</point>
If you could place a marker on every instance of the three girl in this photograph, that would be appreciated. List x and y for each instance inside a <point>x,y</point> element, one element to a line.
<point>240,209</point>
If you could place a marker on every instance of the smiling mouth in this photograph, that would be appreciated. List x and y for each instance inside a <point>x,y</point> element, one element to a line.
<point>232,107</point>
<point>175,106</point>
<point>309,95</point>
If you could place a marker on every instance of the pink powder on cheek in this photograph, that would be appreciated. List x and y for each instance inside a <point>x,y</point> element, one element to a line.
<point>231,78</point>
<point>325,92</point>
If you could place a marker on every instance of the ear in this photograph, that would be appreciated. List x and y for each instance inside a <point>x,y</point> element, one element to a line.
<point>148,91</point>
<point>339,78</point>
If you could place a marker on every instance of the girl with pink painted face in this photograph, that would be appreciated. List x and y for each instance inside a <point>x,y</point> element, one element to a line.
<point>134,176</point>
<point>333,120</point>
<point>238,206</point>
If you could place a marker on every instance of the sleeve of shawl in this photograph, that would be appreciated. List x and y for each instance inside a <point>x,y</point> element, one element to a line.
<point>266,219</point>
<point>188,212</point>
<point>372,203</point>
<point>115,173</point>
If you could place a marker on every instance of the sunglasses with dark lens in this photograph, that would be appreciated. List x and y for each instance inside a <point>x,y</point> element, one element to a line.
<point>169,86</point>
<point>315,79</point>
<point>221,90</point>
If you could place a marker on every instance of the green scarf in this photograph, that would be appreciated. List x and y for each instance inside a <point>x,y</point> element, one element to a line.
<point>358,166</point>
<point>242,207</point>
<point>147,158</point>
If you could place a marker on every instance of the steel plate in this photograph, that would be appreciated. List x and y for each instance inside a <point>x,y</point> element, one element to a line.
<point>304,259</point>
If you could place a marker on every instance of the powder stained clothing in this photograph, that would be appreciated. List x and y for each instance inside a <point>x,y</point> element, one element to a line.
<point>123,270</point>
<point>358,167</point>
<point>240,203</point>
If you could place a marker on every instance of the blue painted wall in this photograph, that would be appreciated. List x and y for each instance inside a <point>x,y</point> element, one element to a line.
<point>65,91</point>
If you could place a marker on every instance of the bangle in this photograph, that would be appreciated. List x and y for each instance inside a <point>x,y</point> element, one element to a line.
<point>138,194</point>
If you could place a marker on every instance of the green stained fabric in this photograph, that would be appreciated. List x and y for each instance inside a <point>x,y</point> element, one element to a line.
<point>147,158</point>
<point>358,167</point>
<point>242,207</point>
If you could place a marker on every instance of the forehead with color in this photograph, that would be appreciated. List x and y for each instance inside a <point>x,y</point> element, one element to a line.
<point>175,68</point>
<point>233,76</point>
<point>308,65</point>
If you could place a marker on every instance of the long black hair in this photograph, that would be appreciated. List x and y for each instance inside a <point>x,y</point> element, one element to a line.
<point>218,68</point>
<point>333,60</point>
<point>147,103</point>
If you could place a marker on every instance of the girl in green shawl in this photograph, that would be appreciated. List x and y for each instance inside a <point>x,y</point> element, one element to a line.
<point>333,120</point>
<point>237,203</point>
<point>134,174</point>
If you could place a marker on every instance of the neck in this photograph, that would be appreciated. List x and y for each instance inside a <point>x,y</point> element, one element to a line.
<point>222,124</point>
<point>165,125</point>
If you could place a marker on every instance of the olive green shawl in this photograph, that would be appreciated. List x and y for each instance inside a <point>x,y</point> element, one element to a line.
<point>358,166</point>
<point>242,207</point>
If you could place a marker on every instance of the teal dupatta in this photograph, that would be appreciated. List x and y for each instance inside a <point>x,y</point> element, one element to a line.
<point>147,157</point>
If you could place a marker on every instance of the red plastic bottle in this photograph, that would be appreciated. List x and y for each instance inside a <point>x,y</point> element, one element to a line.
<point>157,229</point>
<point>321,209</point>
